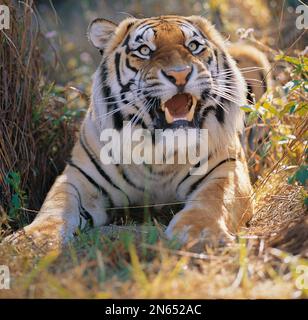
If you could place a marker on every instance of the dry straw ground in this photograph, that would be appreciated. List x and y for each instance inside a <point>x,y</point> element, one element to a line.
<point>35,123</point>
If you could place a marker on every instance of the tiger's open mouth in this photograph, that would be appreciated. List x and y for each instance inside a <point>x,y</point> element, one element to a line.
<point>180,107</point>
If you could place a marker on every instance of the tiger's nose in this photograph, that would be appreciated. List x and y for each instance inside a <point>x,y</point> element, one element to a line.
<point>179,75</point>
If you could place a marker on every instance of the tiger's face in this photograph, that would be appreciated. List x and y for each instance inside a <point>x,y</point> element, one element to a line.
<point>166,72</point>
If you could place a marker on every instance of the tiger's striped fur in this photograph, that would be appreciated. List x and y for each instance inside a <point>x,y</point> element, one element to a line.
<point>219,202</point>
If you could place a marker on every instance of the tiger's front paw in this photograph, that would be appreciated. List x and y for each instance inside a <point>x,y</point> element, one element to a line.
<point>47,235</point>
<point>194,229</point>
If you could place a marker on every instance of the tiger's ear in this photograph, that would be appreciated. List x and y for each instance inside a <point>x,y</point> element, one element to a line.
<point>100,31</point>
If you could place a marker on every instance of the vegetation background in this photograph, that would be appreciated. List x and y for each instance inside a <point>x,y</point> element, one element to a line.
<point>46,64</point>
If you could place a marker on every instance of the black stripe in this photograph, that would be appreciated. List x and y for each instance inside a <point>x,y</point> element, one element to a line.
<point>84,213</point>
<point>125,44</point>
<point>249,96</point>
<point>117,66</point>
<point>140,121</point>
<point>106,89</point>
<point>210,58</point>
<point>110,101</point>
<point>127,179</point>
<point>205,93</point>
<point>118,120</point>
<point>104,73</point>
<point>197,165</point>
<point>207,110</point>
<point>152,85</point>
<point>204,114</point>
<point>189,24</point>
<point>139,37</point>
<point>145,30</point>
<point>99,168</point>
<point>155,104</point>
<point>129,66</point>
<point>216,55</point>
<point>142,24</point>
<point>94,183</point>
<point>124,88</point>
<point>129,26</point>
<point>220,113</point>
<point>195,185</point>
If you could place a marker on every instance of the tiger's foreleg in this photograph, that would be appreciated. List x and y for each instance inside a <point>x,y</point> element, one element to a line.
<point>217,209</point>
<point>72,203</point>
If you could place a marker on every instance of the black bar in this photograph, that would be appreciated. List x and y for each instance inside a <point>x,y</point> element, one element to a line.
<point>156,309</point>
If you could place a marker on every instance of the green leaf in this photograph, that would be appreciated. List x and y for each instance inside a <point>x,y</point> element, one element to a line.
<point>248,108</point>
<point>302,109</point>
<point>13,179</point>
<point>16,201</point>
<point>127,239</point>
<point>291,86</point>
<point>301,175</point>
<point>265,149</point>
<point>288,108</point>
<point>289,59</point>
<point>269,107</point>
<point>252,117</point>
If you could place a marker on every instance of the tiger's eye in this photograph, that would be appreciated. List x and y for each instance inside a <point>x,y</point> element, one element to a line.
<point>193,46</point>
<point>145,50</point>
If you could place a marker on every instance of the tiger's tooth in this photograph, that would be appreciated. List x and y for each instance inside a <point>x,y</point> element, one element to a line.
<point>163,106</point>
<point>194,101</point>
<point>168,116</point>
<point>191,112</point>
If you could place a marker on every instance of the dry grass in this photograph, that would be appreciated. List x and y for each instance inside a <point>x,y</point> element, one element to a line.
<point>33,141</point>
<point>281,216</point>
<point>135,262</point>
<point>130,262</point>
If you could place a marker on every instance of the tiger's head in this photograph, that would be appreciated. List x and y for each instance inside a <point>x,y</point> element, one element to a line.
<point>166,72</point>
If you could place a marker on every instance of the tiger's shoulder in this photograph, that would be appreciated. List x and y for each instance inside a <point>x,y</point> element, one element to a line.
<point>255,68</point>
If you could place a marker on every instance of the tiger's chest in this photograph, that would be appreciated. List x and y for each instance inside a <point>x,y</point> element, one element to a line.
<point>154,184</point>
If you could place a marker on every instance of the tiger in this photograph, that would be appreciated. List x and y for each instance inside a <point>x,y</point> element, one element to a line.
<point>168,73</point>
